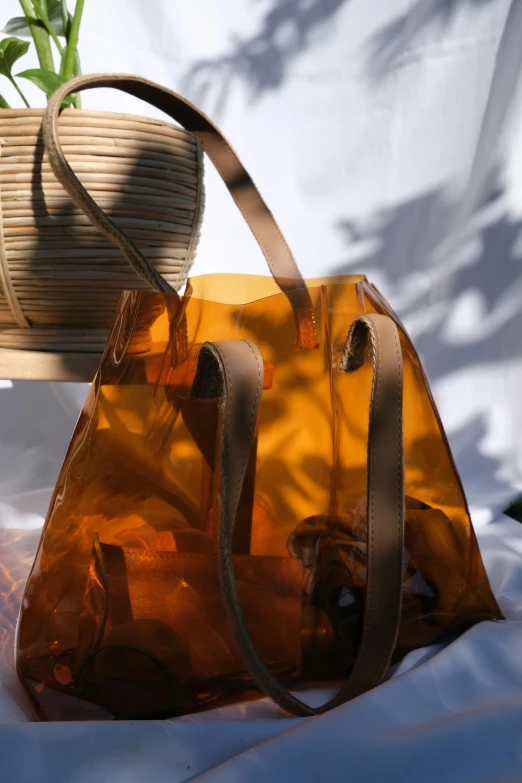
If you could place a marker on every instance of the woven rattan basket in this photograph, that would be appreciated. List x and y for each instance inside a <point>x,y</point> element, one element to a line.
<point>60,278</point>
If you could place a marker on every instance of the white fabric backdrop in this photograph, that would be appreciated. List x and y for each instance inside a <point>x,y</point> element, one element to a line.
<point>386,138</point>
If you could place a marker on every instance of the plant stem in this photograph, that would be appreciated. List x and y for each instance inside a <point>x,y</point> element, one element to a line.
<point>77,97</point>
<point>40,37</point>
<point>65,18</point>
<point>20,93</point>
<point>41,9</point>
<point>70,51</point>
<point>50,30</point>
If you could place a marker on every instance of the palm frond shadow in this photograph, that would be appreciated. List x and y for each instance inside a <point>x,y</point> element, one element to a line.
<point>262,61</point>
<point>428,283</point>
<point>389,45</point>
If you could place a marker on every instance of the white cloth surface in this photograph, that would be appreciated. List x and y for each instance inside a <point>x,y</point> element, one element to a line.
<point>385,136</point>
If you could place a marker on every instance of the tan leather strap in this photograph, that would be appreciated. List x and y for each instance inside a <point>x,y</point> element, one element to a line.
<point>233,370</point>
<point>238,181</point>
<point>385,510</point>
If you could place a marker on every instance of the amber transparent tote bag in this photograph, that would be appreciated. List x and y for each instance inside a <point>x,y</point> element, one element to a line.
<point>259,493</point>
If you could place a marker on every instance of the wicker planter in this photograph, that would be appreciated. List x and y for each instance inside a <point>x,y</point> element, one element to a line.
<point>60,279</point>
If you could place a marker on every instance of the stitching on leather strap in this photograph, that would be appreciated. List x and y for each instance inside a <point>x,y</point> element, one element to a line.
<point>392,631</point>
<point>376,355</point>
<point>373,332</point>
<point>266,681</point>
<point>251,423</point>
<point>373,405</point>
<point>262,675</point>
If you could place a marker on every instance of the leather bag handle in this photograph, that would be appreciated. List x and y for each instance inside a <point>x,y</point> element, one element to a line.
<point>233,371</point>
<point>245,194</point>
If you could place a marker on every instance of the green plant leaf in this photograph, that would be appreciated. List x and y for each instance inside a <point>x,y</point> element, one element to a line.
<point>18,25</point>
<point>3,103</point>
<point>54,10</point>
<point>11,49</point>
<point>47,81</point>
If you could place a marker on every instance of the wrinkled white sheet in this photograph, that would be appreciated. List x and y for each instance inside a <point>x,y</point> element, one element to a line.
<point>386,139</point>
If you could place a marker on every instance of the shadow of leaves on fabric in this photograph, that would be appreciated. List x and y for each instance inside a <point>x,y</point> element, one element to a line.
<point>427,283</point>
<point>262,61</point>
<point>390,43</point>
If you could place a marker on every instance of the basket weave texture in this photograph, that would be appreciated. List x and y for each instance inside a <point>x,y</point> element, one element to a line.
<point>60,279</point>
